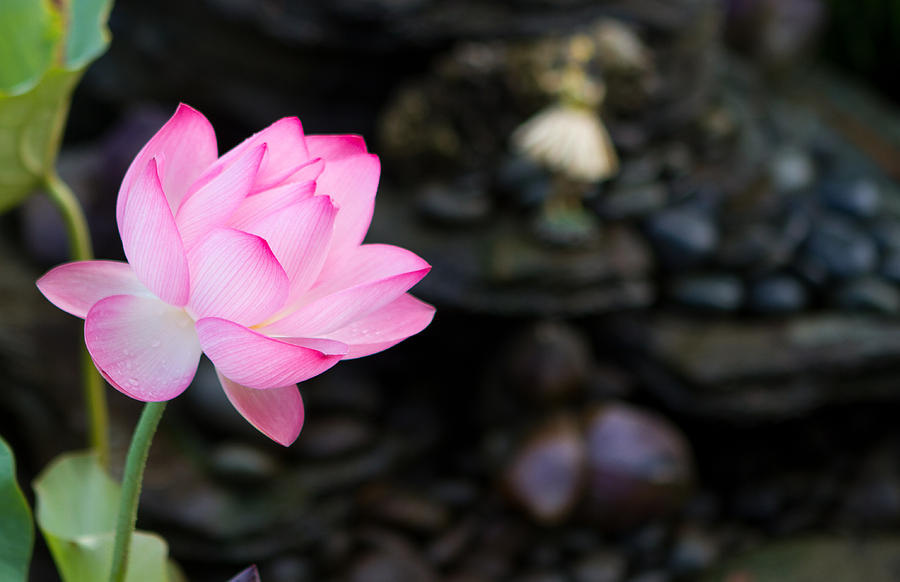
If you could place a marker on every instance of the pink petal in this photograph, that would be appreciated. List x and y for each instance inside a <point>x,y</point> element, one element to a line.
<point>256,207</point>
<point>151,241</point>
<point>213,203</point>
<point>388,326</point>
<point>147,349</point>
<point>307,171</point>
<point>360,283</point>
<point>75,287</point>
<point>275,412</point>
<point>258,361</point>
<point>235,275</point>
<point>188,142</point>
<point>299,237</point>
<point>286,151</point>
<point>351,179</point>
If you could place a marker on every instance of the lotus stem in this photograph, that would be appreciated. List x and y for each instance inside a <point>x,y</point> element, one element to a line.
<point>80,249</point>
<point>131,486</point>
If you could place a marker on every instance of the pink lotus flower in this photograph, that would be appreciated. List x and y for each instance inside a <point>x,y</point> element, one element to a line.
<point>254,258</point>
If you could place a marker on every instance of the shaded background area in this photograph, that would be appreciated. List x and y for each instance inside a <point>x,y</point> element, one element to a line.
<point>696,365</point>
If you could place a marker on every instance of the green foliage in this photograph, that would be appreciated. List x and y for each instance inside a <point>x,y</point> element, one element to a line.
<point>16,529</point>
<point>44,48</point>
<point>76,511</point>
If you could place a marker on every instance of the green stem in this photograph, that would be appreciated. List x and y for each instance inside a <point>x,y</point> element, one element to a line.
<point>131,486</point>
<point>80,248</point>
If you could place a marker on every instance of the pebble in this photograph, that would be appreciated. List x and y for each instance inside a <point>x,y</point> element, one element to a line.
<point>546,475</point>
<point>791,169</point>
<point>405,509</point>
<point>683,236</point>
<point>600,566</point>
<point>886,232</point>
<point>640,466</point>
<point>390,567</point>
<point>842,248</point>
<point>326,437</point>
<point>549,361</point>
<point>777,294</point>
<point>651,576</point>
<point>523,180</point>
<point>709,292</point>
<point>890,266</point>
<point>243,463</point>
<point>859,198</point>
<point>868,294</point>
<point>694,550</point>
<point>632,201</point>
<point>460,203</point>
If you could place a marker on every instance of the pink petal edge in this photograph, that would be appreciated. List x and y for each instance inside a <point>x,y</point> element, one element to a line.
<point>258,361</point>
<point>151,240</point>
<point>147,349</point>
<point>76,287</point>
<point>275,412</point>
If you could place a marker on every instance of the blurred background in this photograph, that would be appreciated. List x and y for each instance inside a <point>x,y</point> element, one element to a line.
<point>666,247</point>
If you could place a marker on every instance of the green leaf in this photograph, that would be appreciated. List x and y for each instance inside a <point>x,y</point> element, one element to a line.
<point>41,61</point>
<point>16,528</point>
<point>76,511</point>
<point>30,31</point>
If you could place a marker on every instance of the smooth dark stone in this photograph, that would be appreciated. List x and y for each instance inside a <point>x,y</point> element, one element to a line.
<point>390,567</point>
<point>694,550</point>
<point>549,361</point>
<point>683,236</point>
<point>791,169</point>
<point>640,466</point>
<point>860,198</point>
<point>546,475</point>
<point>326,437</point>
<point>523,181</point>
<point>632,201</point>
<point>843,248</point>
<point>243,463</point>
<point>600,566</point>
<point>869,294</point>
<point>777,294</point>
<point>712,292</point>
<point>890,266</point>
<point>455,204</point>
<point>887,233</point>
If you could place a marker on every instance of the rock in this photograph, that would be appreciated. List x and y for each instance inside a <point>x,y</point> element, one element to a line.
<point>791,169</point>
<point>325,437</point>
<point>694,550</point>
<point>768,369</point>
<point>382,566</point>
<point>461,203</point>
<point>886,231</point>
<point>890,266</point>
<point>549,361</point>
<point>777,294</point>
<point>639,465</point>
<point>843,249</point>
<point>868,294</point>
<point>243,463</point>
<point>860,198</point>
<point>651,576</point>
<point>813,559</point>
<point>711,292</point>
<point>546,475</point>
<point>542,577</point>
<point>632,201</point>
<point>289,569</point>
<point>523,180</point>
<point>405,509</point>
<point>600,566</point>
<point>683,236</point>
